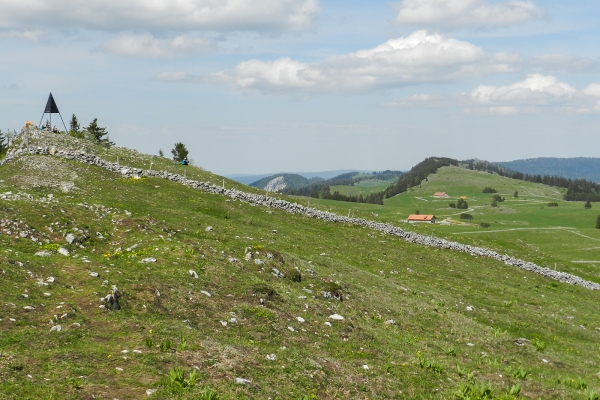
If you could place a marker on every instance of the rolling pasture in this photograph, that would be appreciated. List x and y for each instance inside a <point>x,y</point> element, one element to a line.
<point>562,237</point>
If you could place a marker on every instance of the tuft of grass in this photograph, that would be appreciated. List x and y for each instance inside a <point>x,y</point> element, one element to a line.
<point>538,344</point>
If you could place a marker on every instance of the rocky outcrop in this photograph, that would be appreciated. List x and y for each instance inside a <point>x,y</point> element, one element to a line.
<point>294,208</point>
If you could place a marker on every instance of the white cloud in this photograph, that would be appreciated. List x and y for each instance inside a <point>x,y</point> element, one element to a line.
<point>27,35</point>
<point>592,89</point>
<point>533,94</point>
<point>148,46</point>
<point>536,89</point>
<point>466,13</point>
<point>420,100</point>
<point>418,58</point>
<point>159,15</point>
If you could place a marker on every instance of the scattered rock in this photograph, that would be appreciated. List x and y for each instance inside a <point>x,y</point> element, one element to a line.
<point>390,322</point>
<point>44,253</point>
<point>271,357</point>
<point>277,274</point>
<point>28,308</point>
<point>336,317</point>
<point>258,262</point>
<point>193,274</point>
<point>204,292</point>
<point>242,381</point>
<point>208,229</point>
<point>248,256</point>
<point>148,260</point>
<point>70,238</point>
<point>300,319</point>
<point>365,366</point>
<point>56,328</point>
<point>150,392</point>
<point>469,308</point>
<point>94,274</point>
<point>63,251</point>
<point>128,213</point>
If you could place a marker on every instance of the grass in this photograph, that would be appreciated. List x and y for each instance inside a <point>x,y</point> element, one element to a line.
<point>562,238</point>
<point>168,322</point>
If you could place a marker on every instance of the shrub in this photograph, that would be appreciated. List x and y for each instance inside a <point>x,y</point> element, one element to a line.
<point>498,198</point>
<point>466,216</point>
<point>462,204</point>
<point>552,204</point>
<point>516,194</point>
<point>588,205</point>
<point>484,225</point>
<point>489,190</point>
<point>452,205</point>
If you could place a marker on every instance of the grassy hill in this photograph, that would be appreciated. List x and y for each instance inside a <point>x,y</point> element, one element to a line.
<point>417,322</point>
<point>562,237</point>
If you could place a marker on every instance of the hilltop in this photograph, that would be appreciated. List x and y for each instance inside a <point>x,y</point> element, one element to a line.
<point>579,167</point>
<point>259,297</point>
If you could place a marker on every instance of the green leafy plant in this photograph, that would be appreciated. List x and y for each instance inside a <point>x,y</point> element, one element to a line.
<point>166,345</point>
<point>451,352</point>
<point>592,395</point>
<point>149,342</point>
<point>520,372</point>
<point>75,383</point>
<point>538,344</point>
<point>514,390</point>
<point>498,332</point>
<point>429,364</point>
<point>177,377</point>
<point>209,394</point>
<point>182,344</point>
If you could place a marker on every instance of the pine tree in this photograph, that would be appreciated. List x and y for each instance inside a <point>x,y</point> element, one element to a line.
<point>160,153</point>
<point>598,222</point>
<point>588,205</point>
<point>97,132</point>
<point>516,194</point>
<point>74,124</point>
<point>179,152</point>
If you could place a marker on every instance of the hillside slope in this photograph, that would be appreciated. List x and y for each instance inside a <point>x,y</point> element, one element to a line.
<point>418,322</point>
<point>579,167</point>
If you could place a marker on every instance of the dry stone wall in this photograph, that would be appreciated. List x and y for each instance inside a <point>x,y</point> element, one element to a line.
<point>294,208</point>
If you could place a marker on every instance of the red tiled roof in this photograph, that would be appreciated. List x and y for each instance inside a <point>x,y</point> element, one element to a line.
<point>419,217</point>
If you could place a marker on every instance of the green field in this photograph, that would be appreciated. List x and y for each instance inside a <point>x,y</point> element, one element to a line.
<point>419,323</point>
<point>562,237</point>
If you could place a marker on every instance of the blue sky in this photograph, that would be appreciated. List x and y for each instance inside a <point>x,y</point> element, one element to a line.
<point>256,86</point>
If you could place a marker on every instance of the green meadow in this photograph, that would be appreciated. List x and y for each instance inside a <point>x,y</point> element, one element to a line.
<point>418,323</point>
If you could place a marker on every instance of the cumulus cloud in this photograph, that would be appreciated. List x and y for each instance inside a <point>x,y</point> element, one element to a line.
<point>418,58</point>
<point>536,88</point>
<point>160,15</point>
<point>466,13</point>
<point>533,94</point>
<point>148,46</point>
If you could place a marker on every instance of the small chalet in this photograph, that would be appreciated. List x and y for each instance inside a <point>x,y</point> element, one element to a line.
<point>414,218</point>
<point>440,195</point>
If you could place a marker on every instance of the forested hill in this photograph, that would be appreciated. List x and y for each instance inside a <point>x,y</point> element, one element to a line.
<point>575,168</point>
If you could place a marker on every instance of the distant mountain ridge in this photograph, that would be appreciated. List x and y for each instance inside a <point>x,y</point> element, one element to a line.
<point>247,179</point>
<point>574,168</point>
<point>278,182</point>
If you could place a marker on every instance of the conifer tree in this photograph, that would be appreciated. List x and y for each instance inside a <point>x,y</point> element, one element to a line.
<point>3,144</point>
<point>98,133</point>
<point>598,222</point>
<point>588,205</point>
<point>74,124</point>
<point>179,152</point>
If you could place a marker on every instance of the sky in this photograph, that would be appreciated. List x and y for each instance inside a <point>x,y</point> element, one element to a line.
<point>260,86</point>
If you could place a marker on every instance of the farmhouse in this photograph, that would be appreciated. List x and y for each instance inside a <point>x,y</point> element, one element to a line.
<point>414,218</point>
<point>440,195</point>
